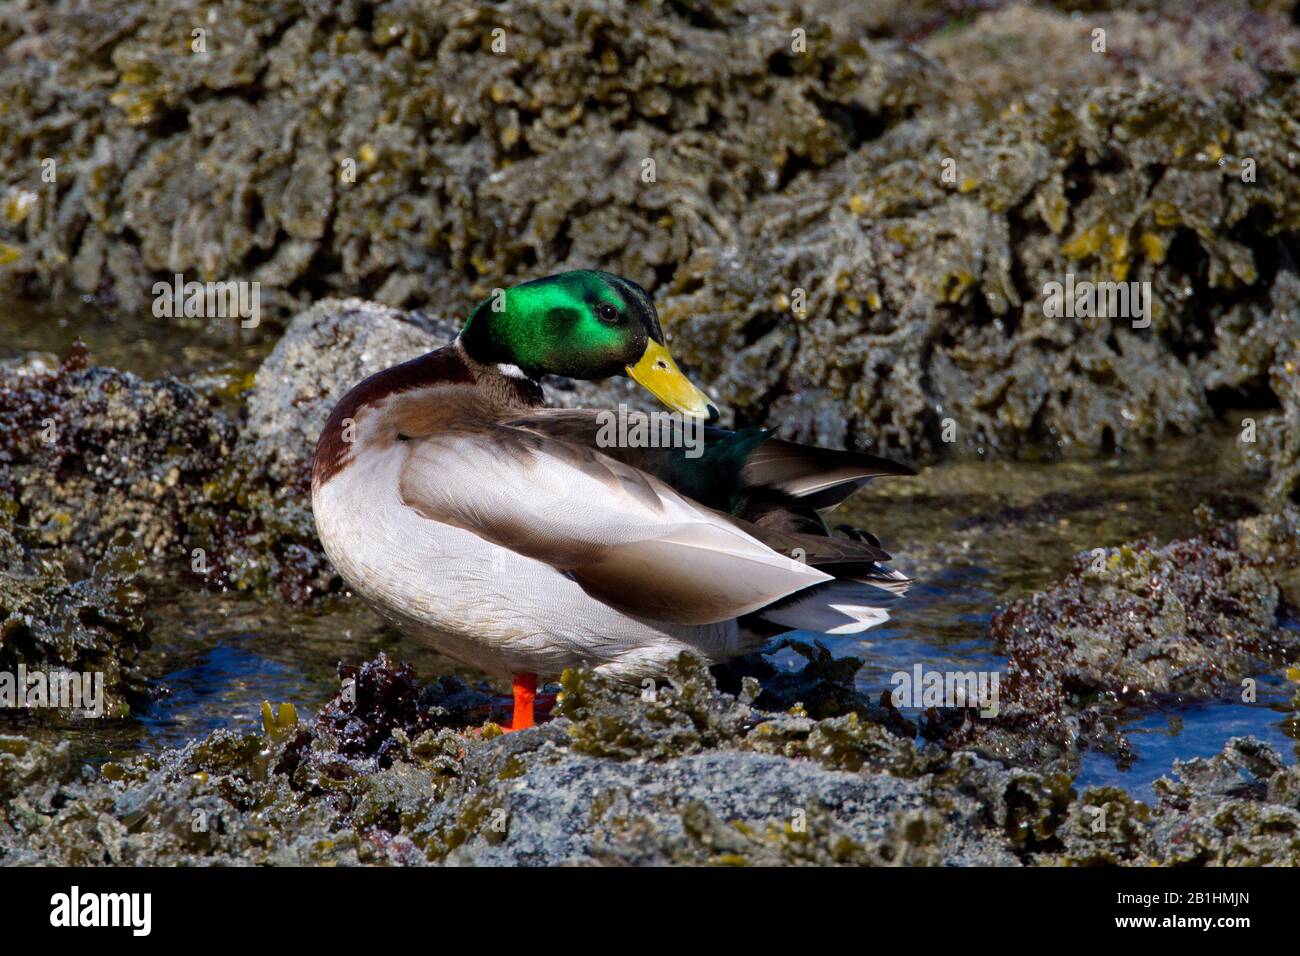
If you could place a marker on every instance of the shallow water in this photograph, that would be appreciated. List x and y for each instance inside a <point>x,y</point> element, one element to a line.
<point>148,346</point>
<point>224,654</point>
<point>974,534</point>
<point>978,535</point>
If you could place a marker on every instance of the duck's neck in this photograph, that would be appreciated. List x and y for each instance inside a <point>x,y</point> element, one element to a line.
<point>502,381</point>
<point>446,380</point>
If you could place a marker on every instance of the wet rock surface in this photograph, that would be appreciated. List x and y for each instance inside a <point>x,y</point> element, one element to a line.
<point>1238,808</point>
<point>389,773</point>
<point>56,618</point>
<point>1131,627</point>
<point>92,456</point>
<point>1190,617</point>
<point>101,474</point>
<point>815,267</point>
<point>856,223</point>
<point>1271,445</point>
<point>89,453</point>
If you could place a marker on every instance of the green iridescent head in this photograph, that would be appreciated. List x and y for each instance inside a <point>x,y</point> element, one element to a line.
<point>583,325</point>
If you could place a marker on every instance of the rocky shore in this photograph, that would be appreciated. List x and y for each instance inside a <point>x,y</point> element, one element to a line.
<point>774,767</point>
<point>393,772</point>
<point>814,266</point>
<point>857,242</point>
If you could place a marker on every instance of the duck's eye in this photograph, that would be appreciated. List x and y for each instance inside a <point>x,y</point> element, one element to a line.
<point>606,312</point>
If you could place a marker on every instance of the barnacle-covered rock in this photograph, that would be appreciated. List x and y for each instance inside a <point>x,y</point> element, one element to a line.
<point>398,148</point>
<point>1011,48</point>
<point>387,772</point>
<point>1127,627</point>
<point>1237,808</point>
<point>56,621</point>
<point>92,452</point>
<point>101,474</point>
<point>898,298</point>
<point>848,245</point>
<point>394,772</point>
<point>1190,618</point>
<point>1271,444</point>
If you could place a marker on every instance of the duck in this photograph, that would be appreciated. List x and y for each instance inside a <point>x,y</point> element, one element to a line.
<point>522,539</point>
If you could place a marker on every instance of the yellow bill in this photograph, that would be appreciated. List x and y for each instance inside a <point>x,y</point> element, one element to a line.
<point>659,375</point>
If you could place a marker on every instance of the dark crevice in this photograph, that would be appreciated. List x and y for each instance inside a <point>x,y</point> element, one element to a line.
<point>526,259</point>
<point>980,312</point>
<point>759,326</point>
<point>780,64</point>
<point>1252,395</point>
<point>664,274</point>
<point>1271,250</point>
<point>1082,176</point>
<point>172,123</point>
<point>697,15</point>
<point>794,165</point>
<point>859,124</point>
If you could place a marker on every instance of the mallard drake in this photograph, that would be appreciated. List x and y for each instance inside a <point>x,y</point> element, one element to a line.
<point>520,540</point>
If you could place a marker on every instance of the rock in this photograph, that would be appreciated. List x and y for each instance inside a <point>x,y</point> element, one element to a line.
<point>925,302</point>
<point>1190,619</point>
<point>1270,443</point>
<point>1272,538</point>
<point>718,808</point>
<point>103,474</point>
<point>325,351</point>
<point>92,625</point>
<point>776,170</point>
<point>392,773</point>
<point>90,453</point>
<point>466,160</point>
<point>1010,49</point>
<point>385,775</point>
<point>94,457</point>
<point>1238,808</point>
